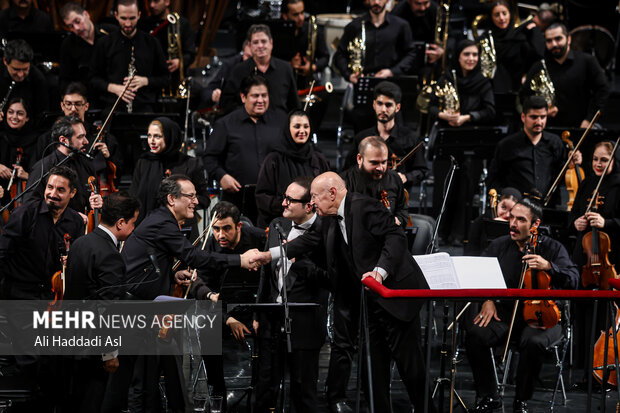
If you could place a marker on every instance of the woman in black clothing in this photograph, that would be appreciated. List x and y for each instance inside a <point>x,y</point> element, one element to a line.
<point>606,219</point>
<point>515,48</point>
<point>16,133</point>
<point>477,103</point>
<point>165,159</point>
<point>295,156</point>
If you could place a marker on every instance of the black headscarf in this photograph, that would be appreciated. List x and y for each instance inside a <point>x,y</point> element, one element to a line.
<point>296,158</point>
<point>470,84</point>
<point>11,139</point>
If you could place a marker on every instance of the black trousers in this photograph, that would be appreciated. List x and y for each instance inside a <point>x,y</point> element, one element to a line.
<point>532,343</point>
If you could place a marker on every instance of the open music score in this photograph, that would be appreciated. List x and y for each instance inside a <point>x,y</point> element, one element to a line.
<point>443,272</point>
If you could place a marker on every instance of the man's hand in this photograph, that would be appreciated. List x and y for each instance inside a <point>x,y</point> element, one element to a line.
<point>384,73</point>
<point>1,192</point>
<point>117,89</point>
<point>552,111</point>
<point>137,82</point>
<point>20,172</point>
<point>95,201</point>
<point>375,275</point>
<point>581,223</point>
<point>584,124</point>
<point>487,312</point>
<point>183,277</point>
<point>214,297</point>
<point>433,53</point>
<point>397,221</point>
<point>354,78</point>
<point>263,258</point>
<point>84,218</point>
<point>595,220</point>
<point>402,177</point>
<point>216,95</point>
<point>5,173</point>
<point>173,65</point>
<point>103,148</point>
<point>111,365</point>
<point>536,262</point>
<point>230,184</point>
<point>251,259</point>
<point>255,326</point>
<point>238,328</point>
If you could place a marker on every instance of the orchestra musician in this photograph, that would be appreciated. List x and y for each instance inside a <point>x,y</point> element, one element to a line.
<point>490,326</point>
<point>165,158</point>
<point>22,17</point>
<point>360,239</point>
<point>295,155</point>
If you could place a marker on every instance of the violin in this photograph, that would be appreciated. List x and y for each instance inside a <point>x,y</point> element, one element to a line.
<point>58,279</point>
<point>93,216</point>
<point>493,202</point>
<point>543,314</point>
<point>107,178</point>
<point>574,174</point>
<point>384,199</point>
<point>600,358</point>
<point>596,245</point>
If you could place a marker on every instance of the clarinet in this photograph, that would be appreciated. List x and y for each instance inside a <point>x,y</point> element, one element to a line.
<point>6,97</point>
<point>131,71</point>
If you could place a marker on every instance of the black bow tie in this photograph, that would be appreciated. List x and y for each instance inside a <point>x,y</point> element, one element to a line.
<point>298,227</point>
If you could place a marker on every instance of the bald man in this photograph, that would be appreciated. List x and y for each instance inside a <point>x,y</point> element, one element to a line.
<point>360,239</point>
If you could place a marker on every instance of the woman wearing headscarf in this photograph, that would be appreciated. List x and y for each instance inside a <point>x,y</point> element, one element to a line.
<point>164,159</point>
<point>294,156</point>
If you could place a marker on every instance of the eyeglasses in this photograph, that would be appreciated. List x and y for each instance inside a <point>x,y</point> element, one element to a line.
<point>288,200</point>
<point>77,105</point>
<point>191,197</point>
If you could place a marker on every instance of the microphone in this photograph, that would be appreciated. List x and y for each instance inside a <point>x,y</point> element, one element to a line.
<point>278,228</point>
<point>74,150</point>
<point>151,252</point>
<point>453,160</point>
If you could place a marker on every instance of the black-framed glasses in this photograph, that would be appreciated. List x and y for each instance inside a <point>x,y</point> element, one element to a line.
<point>77,105</point>
<point>191,197</point>
<point>288,200</point>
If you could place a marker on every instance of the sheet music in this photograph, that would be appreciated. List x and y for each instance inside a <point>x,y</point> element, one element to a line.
<point>438,271</point>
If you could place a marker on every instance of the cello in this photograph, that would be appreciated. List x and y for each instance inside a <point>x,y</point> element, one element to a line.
<point>58,279</point>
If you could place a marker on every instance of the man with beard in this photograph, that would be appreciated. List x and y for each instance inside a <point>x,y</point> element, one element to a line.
<point>70,136</point>
<point>77,48</point>
<point>398,138</point>
<point>277,72</point>
<point>240,141</point>
<point>114,53</point>
<point>489,327</point>
<point>22,17</point>
<point>581,87</point>
<point>530,158</point>
<point>31,250</point>
<point>389,45</point>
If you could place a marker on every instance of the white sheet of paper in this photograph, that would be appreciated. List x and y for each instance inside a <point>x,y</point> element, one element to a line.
<point>438,271</point>
<point>478,272</point>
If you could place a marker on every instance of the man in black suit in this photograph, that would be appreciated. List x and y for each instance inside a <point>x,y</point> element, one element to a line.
<point>361,239</point>
<point>305,283</point>
<point>95,269</point>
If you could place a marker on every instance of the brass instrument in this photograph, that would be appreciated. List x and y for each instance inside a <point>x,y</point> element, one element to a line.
<point>312,34</point>
<point>441,30</point>
<point>6,97</point>
<point>488,56</point>
<point>175,51</point>
<point>357,52</point>
<point>448,95</point>
<point>542,85</point>
<point>131,72</point>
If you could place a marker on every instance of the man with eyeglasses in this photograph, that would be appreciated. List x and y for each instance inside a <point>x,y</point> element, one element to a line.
<point>306,282</point>
<point>28,81</point>
<point>77,48</point>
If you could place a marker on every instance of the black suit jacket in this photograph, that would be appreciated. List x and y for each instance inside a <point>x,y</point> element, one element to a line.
<point>374,240</point>
<point>94,265</point>
<point>306,282</point>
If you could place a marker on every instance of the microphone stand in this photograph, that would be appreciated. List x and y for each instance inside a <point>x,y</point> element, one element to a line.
<point>35,184</point>
<point>432,245</point>
<point>287,320</point>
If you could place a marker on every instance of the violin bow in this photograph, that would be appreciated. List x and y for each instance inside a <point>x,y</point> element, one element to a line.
<point>570,158</point>
<point>202,247</point>
<point>409,155</point>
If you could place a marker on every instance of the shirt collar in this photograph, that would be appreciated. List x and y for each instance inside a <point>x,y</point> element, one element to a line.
<point>341,207</point>
<point>308,223</point>
<point>107,231</point>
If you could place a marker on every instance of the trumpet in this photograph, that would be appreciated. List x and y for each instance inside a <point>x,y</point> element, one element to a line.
<point>175,51</point>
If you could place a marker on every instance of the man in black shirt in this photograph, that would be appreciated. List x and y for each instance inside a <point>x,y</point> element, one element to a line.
<point>113,55</point>
<point>399,139</point>
<point>241,140</point>
<point>77,48</point>
<point>160,9</point>
<point>22,17</point>
<point>279,74</point>
<point>293,10</point>
<point>530,158</point>
<point>422,18</point>
<point>28,81</point>
<point>489,327</point>
<point>69,134</point>
<point>389,45</point>
<point>581,87</point>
